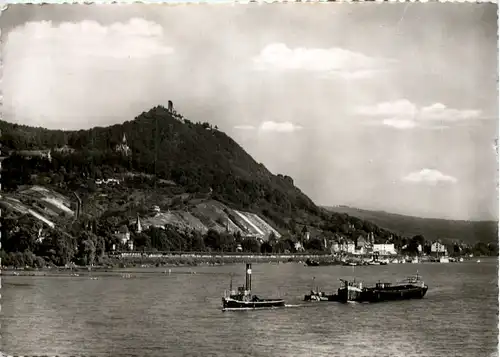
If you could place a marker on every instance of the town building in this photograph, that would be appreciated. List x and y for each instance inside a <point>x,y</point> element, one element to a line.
<point>384,248</point>
<point>438,248</point>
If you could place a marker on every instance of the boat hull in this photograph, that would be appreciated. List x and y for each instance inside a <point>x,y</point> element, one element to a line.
<point>232,304</point>
<point>350,294</point>
<point>394,293</point>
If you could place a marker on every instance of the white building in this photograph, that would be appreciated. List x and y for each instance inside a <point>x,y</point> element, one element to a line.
<point>384,248</point>
<point>344,246</point>
<point>437,247</point>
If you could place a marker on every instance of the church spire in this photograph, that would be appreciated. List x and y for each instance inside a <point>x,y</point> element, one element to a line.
<point>138,227</point>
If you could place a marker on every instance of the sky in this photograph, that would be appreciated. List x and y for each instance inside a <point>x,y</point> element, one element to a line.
<point>389,107</point>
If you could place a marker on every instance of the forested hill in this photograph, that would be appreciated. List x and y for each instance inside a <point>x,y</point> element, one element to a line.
<point>196,156</point>
<point>189,178</point>
<point>431,228</point>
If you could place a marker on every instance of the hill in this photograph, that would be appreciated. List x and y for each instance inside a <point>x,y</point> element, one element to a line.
<point>193,155</point>
<point>75,195</point>
<point>469,232</point>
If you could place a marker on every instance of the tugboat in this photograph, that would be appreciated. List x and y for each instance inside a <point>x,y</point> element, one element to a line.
<point>243,298</point>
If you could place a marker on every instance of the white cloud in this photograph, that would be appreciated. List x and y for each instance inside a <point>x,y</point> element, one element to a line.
<point>282,127</point>
<point>400,123</point>
<point>429,176</point>
<point>440,112</point>
<point>402,114</point>
<point>335,61</point>
<point>244,127</point>
<point>73,73</point>
<point>397,108</point>
<point>272,126</point>
<point>137,38</point>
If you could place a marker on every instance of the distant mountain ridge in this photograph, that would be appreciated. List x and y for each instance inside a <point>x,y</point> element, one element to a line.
<point>431,228</point>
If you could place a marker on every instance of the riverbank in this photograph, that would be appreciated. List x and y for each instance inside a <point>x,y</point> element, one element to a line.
<point>140,261</point>
<point>152,260</point>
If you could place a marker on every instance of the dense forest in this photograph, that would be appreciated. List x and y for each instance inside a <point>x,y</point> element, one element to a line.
<point>194,155</point>
<point>168,156</point>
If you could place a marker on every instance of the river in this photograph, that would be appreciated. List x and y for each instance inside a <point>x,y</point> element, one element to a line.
<point>154,313</point>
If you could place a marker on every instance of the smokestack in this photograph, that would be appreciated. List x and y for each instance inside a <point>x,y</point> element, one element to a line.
<point>248,280</point>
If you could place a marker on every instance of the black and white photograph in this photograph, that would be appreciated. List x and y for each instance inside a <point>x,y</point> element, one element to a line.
<point>249,180</point>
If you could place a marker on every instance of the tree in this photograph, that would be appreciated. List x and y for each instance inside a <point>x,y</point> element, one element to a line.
<point>142,241</point>
<point>196,242</point>
<point>314,244</point>
<point>272,239</point>
<point>250,245</point>
<point>266,248</point>
<point>212,240</point>
<point>418,239</point>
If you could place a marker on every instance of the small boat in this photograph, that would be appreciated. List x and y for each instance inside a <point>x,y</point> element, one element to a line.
<point>317,295</point>
<point>320,296</point>
<point>312,263</point>
<point>243,298</point>
<point>316,263</point>
<point>444,259</point>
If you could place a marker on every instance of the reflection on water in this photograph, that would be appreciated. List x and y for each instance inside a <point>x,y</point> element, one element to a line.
<point>156,314</point>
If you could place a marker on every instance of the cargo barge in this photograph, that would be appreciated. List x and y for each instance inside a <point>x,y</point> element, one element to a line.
<point>351,291</point>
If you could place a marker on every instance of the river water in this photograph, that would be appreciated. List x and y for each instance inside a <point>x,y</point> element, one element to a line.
<point>155,313</point>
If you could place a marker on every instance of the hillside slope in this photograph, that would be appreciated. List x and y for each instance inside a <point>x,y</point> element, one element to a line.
<point>195,156</point>
<point>432,229</point>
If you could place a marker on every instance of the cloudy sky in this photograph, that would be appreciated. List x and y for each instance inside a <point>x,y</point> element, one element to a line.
<point>381,106</point>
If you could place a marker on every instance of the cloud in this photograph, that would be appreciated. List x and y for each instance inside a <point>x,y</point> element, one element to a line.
<point>282,127</point>
<point>429,176</point>
<point>400,123</point>
<point>73,73</point>
<point>272,126</point>
<point>244,127</point>
<point>402,114</point>
<point>137,38</point>
<point>440,112</point>
<point>334,61</point>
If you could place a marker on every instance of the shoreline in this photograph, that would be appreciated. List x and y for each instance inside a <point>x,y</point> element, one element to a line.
<point>143,262</point>
<point>117,264</point>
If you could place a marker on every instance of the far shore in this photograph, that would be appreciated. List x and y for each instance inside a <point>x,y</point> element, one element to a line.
<point>115,264</point>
